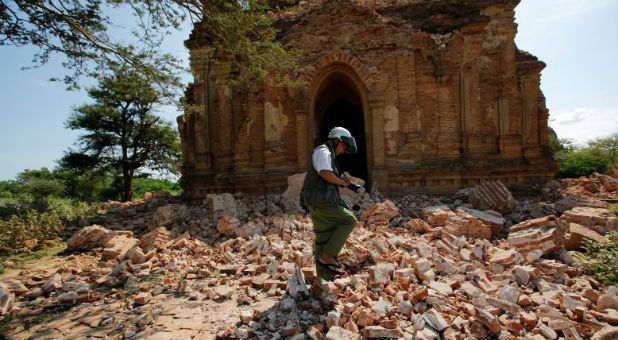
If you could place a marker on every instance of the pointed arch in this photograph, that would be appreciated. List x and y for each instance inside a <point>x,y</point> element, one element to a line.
<point>338,77</point>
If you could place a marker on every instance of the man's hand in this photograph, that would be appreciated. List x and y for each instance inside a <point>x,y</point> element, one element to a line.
<point>353,187</point>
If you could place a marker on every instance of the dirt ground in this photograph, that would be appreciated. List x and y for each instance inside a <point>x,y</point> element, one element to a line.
<point>174,316</point>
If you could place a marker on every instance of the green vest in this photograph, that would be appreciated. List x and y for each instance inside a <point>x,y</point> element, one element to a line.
<point>317,192</point>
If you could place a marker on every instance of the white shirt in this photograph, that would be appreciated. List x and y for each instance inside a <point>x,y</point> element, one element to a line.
<point>321,159</point>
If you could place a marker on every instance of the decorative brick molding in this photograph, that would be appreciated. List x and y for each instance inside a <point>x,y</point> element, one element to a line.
<point>337,56</point>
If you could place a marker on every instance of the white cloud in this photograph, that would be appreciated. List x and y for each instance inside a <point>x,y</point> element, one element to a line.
<point>571,117</point>
<point>584,124</point>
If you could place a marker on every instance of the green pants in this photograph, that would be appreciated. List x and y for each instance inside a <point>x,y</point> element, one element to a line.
<point>331,226</point>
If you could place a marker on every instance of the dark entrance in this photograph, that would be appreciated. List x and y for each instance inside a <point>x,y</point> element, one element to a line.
<point>349,115</point>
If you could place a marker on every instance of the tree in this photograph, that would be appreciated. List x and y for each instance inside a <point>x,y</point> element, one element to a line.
<point>599,155</point>
<point>608,145</point>
<point>581,162</point>
<point>122,133</point>
<point>41,183</point>
<point>552,138</point>
<point>78,30</point>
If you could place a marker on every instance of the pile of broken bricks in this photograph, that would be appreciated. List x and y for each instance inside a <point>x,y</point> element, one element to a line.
<point>427,283</point>
<point>434,277</point>
<point>596,185</point>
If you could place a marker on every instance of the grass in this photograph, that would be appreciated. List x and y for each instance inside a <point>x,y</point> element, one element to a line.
<point>32,320</point>
<point>7,319</point>
<point>128,295</point>
<point>46,315</point>
<point>600,259</point>
<point>23,258</point>
<point>215,274</point>
<point>152,278</point>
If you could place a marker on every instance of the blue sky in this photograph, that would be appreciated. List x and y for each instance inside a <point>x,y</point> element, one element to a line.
<point>578,40</point>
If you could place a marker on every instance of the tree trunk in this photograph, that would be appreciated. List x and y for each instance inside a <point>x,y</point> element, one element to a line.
<point>127,178</point>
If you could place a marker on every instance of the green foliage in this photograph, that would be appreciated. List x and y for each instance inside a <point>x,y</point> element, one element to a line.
<point>66,195</point>
<point>601,259</point>
<point>613,208</point>
<point>143,185</point>
<point>66,208</point>
<point>78,30</point>
<point>122,135</point>
<point>70,210</point>
<point>29,231</point>
<point>581,162</point>
<point>608,146</point>
<point>28,192</point>
<point>555,143</point>
<point>11,206</point>
<point>153,278</point>
<point>597,156</point>
<point>6,320</point>
<point>85,185</point>
<point>38,185</point>
<point>30,320</point>
<point>215,274</point>
<point>31,217</point>
<point>244,41</point>
<point>46,315</point>
<point>10,189</point>
<point>35,207</point>
<point>33,186</point>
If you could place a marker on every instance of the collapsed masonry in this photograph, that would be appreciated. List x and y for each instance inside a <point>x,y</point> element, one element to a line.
<point>418,268</point>
<point>436,93</point>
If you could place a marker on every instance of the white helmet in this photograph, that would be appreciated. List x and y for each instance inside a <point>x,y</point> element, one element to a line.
<point>345,136</point>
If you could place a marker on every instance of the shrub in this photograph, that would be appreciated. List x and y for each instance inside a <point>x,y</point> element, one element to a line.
<point>24,229</point>
<point>613,208</point>
<point>70,209</point>
<point>8,207</point>
<point>583,162</point>
<point>575,161</point>
<point>10,188</point>
<point>601,259</point>
<point>142,185</point>
<point>29,232</point>
<point>87,186</point>
<point>18,205</point>
<point>556,143</point>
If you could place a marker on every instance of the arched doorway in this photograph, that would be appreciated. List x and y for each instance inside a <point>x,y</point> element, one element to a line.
<point>339,103</point>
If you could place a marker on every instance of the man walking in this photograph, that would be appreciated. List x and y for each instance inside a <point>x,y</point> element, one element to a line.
<point>332,219</point>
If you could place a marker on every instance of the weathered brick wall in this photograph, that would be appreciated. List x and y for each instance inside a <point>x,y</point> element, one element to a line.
<point>441,110</point>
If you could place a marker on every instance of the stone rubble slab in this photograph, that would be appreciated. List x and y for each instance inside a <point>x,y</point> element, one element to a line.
<point>415,278</point>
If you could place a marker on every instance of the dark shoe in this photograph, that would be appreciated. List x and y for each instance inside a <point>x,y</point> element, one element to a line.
<point>323,273</point>
<point>332,267</point>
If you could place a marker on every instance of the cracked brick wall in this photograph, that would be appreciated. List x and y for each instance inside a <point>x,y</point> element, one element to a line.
<point>437,92</point>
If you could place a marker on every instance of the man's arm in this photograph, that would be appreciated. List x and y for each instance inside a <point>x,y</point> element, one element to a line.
<point>330,177</point>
